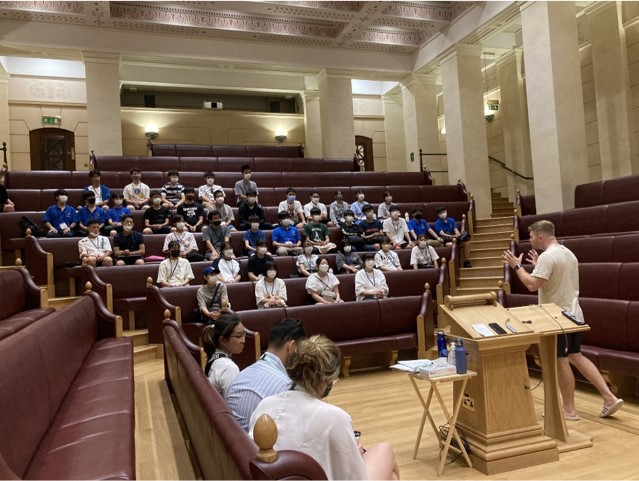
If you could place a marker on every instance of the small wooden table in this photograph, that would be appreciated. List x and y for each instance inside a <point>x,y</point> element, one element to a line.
<point>452,420</point>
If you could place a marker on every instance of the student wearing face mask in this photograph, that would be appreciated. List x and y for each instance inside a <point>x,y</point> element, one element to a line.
<point>191,211</point>
<point>242,187</point>
<point>383,211</point>
<point>371,230</point>
<point>317,233</point>
<point>156,218</point>
<point>351,231</point>
<point>446,227</point>
<point>128,245</point>
<point>249,209</point>
<point>215,235</point>
<point>293,207</point>
<point>270,290</point>
<point>188,246</point>
<point>315,203</point>
<point>417,226</point>
<point>206,192</point>
<point>338,208</point>
<point>256,267</point>
<point>101,192</point>
<point>286,238</point>
<point>347,260</point>
<point>358,206</point>
<point>323,286</point>
<point>423,256</point>
<point>90,211</point>
<point>396,229</point>
<point>172,191</point>
<point>227,265</point>
<point>137,194</point>
<point>307,261</point>
<point>370,283</point>
<point>225,210</point>
<point>386,259</point>
<point>211,296</point>
<point>175,271</point>
<point>95,250</point>
<point>115,214</point>
<point>252,236</point>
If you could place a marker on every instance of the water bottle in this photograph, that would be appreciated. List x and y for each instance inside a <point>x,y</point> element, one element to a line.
<point>441,344</point>
<point>406,216</point>
<point>451,353</point>
<point>460,357</point>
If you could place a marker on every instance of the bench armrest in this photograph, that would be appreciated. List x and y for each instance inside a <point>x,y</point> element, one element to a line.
<point>109,325</point>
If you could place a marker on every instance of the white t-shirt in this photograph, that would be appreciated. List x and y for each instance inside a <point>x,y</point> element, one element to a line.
<point>186,240</point>
<point>319,205</point>
<point>421,257</point>
<point>397,229</point>
<point>136,191</point>
<point>318,284</point>
<point>229,268</point>
<point>175,273</point>
<point>276,288</point>
<point>207,193</point>
<point>390,260</point>
<point>293,209</point>
<point>365,281</point>
<point>222,373</point>
<point>89,246</point>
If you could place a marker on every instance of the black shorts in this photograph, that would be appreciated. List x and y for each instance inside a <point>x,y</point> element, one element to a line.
<point>572,346</point>
<point>129,260</point>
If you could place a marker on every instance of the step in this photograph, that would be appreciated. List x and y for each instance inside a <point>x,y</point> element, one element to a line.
<point>494,228</point>
<point>483,253</point>
<point>496,220</point>
<point>466,291</point>
<point>503,235</point>
<point>496,271</point>
<point>487,262</point>
<point>503,212</point>
<point>148,352</point>
<point>484,282</point>
<point>502,204</point>
<point>491,243</point>
<point>140,337</point>
<point>499,215</point>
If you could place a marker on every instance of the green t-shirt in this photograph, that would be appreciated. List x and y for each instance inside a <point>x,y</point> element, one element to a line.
<point>315,232</point>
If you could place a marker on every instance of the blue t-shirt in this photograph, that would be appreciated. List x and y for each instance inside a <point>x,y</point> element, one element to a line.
<point>282,235</point>
<point>420,227</point>
<point>56,216</point>
<point>253,237</point>
<point>116,213</point>
<point>369,228</point>
<point>448,226</point>
<point>84,215</point>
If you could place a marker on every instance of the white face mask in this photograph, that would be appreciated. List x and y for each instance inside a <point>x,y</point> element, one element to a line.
<point>385,247</point>
<point>255,226</point>
<point>251,200</point>
<point>317,218</point>
<point>117,202</point>
<point>219,200</point>
<point>395,215</point>
<point>443,215</point>
<point>271,274</point>
<point>422,245</point>
<point>261,250</point>
<point>347,249</point>
<point>348,218</point>
<point>324,267</point>
<point>157,201</point>
<point>93,234</point>
<point>360,196</point>
<point>179,225</point>
<point>370,215</point>
<point>370,264</point>
<point>228,252</point>
<point>308,250</point>
<point>173,180</point>
<point>246,176</point>
<point>315,200</point>
<point>211,280</point>
<point>63,199</point>
<point>127,228</point>
<point>210,182</point>
<point>286,222</point>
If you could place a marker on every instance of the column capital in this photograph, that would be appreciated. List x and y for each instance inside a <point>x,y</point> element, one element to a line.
<point>595,8</point>
<point>418,78</point>
<point>524,5</point>
<point>459,50</point>
<point>308,95</point>
<point>326,73</point>
<point>514,55</point>
<point>102,57</point>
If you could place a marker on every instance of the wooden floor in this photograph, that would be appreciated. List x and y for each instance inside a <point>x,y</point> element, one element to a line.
<point>384,407</point>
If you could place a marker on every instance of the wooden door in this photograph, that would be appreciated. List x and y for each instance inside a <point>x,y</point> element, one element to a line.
<point>52,149</point>
<point>364,152</point>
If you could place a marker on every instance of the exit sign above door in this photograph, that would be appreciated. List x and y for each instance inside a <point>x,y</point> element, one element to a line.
<point>51,120</point>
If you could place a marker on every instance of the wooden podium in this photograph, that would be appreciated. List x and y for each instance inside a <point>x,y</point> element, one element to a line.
<point>497,414</point>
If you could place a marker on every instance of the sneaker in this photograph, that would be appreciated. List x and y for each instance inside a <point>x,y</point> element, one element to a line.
<point>467,264</point>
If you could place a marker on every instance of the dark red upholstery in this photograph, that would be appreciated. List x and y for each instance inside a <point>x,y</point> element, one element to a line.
<point>587,195</point>
<point>163,163</point>
<point>622,189</point>
<point>193,150</point>
<point>163,149</point>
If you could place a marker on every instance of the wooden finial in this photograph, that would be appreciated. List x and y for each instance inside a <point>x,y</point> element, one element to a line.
<point>85,260</point>
<point>265,436</point>
<point>518,191</point>
<point>444,261</point>
<point>88,286</point>
<point>149,282</point>
<point>426,287</point>
<point>500,284</point>
<point>463,216</point>
<point>18,262</point>
<point>28,233</point>
<point>167,314</point>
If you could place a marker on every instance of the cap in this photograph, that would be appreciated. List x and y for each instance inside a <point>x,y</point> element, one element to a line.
<point>210,270</point>
<point>440,208</point>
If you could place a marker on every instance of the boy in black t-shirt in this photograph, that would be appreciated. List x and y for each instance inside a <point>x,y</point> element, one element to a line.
<point>128,245</point>
<point>191,211</point>
<point>256,267</point>
<point>156,218</point>
<point>371,229</point>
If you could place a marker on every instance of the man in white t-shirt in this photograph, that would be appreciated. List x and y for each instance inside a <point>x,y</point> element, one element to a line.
<point>175,271</point>
<point>556,276</point>
<point>315,202</point>
<point>396,229</point>
<point>95,250</point>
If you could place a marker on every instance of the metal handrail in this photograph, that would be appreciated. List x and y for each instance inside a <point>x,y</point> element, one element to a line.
<point>421,163</point>
<point>504,166</point>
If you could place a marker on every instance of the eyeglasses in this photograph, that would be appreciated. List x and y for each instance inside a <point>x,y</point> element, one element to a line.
<point>241,335</point>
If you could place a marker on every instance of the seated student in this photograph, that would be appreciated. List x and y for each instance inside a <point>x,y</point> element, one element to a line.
<point>267,376</point>
<point>115,214</point>
<point>307,261</point>
<point>358,206</point>
<point>396,229</point>
<point>270,290</point>
<point>323,286</point>
<point>188,246</point>
<point>95,250</point>
<point>214,235</point>
<point>370,283</point>
<point>191,211</point>
<point>5,202</point>
<point>228,267</point>
<point>206,192</point>
<point>418,226</point>
<point>351,231</point>
<point>321,430</point>
<point>212,296</point>
<point>371,230</point>
<point>383,211</point>
<point>293,207</point>
<point>101,192</point>
<point>347,260</point>
<point>256,267</point>
<point>175,271</point>
<point>423,256</point>
<point>242,187</point>
<point>446,227</point>
<point>137,194</point>
<point>156,218</point>
<point>90,211</point>
<point>60,219</point>
<point>386,259</point>
<point>128,245</point>
<point>317,233</point>
<point>286,238</point>
<point>252,236</point>
<point>338,208</point>
<point>315,202</point>
<point>220,341</point>
<point>172,191</point>
<point>225,210</point>
<point>249,209</point>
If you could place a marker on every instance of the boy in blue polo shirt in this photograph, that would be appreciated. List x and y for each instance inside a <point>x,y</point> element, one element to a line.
<point>446,227</point>
<point>253,235</point>
<point>60,219</point>
<point>286,238</point>
<point>115,214</point>
<point>418,226</point>
<point>88,212</point>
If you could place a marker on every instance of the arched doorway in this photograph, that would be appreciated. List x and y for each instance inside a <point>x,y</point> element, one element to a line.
<point>52,149</point>
<point>364,152</point>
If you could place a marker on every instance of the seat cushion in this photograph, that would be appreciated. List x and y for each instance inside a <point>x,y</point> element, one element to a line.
<point>22,319</point>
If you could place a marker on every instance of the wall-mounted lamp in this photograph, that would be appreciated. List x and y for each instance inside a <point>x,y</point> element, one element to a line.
<point>443,131</point>
<point>151,132</point>
<point>281,135</point>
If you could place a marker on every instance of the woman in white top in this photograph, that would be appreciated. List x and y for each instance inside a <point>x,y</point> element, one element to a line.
<point>327,433</point>
<point>323,286</point>
<point>307,262</point>
<point>386,259</point>
<point>270,291</point>
<point>423,256</point>
<point>370,283</point>
<point>220,341</point>
<point>228,267</point>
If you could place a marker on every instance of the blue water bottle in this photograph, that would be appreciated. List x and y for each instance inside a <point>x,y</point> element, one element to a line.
<point>441,344</point>
<point>460,357</point>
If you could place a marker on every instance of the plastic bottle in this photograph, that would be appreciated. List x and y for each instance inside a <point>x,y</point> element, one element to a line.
<point>441,344</point>
<point>406,216</point>
<point>451,353</point>
<point>460,357</point>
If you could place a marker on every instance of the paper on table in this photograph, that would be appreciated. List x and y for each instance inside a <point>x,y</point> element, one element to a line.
<point>414,366</point>
<point>484,330</point>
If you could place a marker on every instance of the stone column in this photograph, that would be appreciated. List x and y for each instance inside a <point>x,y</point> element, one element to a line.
<point>312,123</point>
<point>555,103</point>
<point>515,122</point>
<point>5,131</point>
<point>102,71</point>
<point>336,112</point>
<point>394,127</point>
<point>465,123</point>
<point>612,91</point>
<point>419,94</point>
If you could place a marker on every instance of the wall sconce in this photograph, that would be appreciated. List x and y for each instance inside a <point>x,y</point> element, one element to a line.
<point>443,131</point>
<point>151,132</point>
<point>281,135</point>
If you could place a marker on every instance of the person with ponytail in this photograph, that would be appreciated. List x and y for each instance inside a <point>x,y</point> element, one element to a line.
<point>221,341</point>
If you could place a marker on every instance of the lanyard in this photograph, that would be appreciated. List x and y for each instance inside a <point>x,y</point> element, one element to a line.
<point>369,279</point>
<point>425,256</point>
<point>231,268</point>
<point>272,287</point>
<point>173,268</point>
<point>324,283</point>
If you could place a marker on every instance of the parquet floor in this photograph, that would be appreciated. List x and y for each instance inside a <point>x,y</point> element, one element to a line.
<point>384,407</point>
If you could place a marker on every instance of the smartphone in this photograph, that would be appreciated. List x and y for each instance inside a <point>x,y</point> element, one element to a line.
<point>573,318</point>
<point>511,328</point>
<point>497,328</point>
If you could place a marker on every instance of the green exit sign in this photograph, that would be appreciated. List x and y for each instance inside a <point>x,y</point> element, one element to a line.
<point>51,120</point>
<point>493,107</point>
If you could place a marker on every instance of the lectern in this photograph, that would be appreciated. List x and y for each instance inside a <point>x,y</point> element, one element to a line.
<point>497,414</point>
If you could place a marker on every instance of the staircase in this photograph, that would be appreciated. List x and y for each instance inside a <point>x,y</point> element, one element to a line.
<point>491,237</point>
<point>142,350</point>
